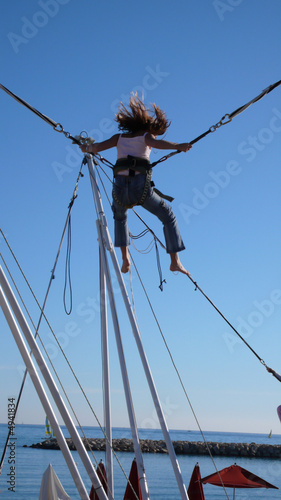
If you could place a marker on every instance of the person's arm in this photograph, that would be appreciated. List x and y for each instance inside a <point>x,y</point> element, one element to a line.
<point>96,147</point>
<point>162,144</point>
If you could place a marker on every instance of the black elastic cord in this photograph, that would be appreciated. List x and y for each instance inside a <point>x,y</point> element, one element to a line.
<point>224,120</point>
<point>197,287</point>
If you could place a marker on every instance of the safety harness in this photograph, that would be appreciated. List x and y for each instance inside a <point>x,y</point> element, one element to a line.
<point>143,166</point>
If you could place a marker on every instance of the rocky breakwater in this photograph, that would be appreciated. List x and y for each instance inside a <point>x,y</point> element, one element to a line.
<point>181,447</point>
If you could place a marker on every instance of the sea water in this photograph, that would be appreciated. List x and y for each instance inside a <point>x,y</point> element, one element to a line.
<point>30,464</point>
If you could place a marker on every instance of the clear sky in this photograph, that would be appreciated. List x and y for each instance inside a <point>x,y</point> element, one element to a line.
<point>74,61</point>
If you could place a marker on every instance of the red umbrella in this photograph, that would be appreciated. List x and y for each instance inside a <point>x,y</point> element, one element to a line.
<point>236,477</point>
<point>130,494</point>
<point>195,489</point>
<point>101,472</point>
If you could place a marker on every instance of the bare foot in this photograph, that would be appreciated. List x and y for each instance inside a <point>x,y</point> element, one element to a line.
<point>125,266</point>
<point>179,267</point>
<point>176,265</point>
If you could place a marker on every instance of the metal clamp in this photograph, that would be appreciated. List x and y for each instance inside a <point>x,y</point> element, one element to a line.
<point>223,121</point>
<point>84,139</point>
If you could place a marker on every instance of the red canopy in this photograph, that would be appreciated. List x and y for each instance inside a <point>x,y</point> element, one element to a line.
<point>236,477</point>
<point>130,494</point>
<point>195,489</point>
<point>101,472</point>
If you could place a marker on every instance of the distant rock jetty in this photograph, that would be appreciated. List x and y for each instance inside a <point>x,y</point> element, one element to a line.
<point>181,447</point>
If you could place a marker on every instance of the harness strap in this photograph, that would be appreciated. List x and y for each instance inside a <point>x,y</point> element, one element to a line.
<point>165,196</point>
<point>135,164</point>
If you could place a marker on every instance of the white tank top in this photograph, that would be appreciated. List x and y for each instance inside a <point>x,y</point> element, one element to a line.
<point>133,146</point>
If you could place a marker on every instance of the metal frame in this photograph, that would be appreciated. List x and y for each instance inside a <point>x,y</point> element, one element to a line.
<point>7,300</point>
<point>105,244</point>
<point>7,297</point>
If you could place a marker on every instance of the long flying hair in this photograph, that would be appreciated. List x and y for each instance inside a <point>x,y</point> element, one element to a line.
<point>138,118</point>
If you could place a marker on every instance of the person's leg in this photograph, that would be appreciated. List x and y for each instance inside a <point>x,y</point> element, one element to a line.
<point>121,236</point>
<point>174,244</point>
<point>127,192</point>
<point>120,214</point>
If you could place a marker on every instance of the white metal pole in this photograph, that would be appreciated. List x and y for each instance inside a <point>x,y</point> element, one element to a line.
<point>52,387</point>
<point>42,396</point>
<point>106,383</point>
<point>126,384</point>
<point>137,336</point>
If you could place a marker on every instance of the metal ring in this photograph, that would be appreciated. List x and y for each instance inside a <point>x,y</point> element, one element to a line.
<point>213,128</point>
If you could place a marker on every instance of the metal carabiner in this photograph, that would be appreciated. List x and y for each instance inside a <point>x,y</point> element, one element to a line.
<point>227,121</point>
<point>60,129</point>
<point>213,128</point>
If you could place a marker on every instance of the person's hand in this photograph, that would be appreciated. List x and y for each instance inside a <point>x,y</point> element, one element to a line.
<point>184,147</point>
<point>88,148</point>
<point>270,370</point>
<point>84,148</point>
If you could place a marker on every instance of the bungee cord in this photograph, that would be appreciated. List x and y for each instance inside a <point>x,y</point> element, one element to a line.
<point>197,287</point>
<point>178,374</point>
<point>83,139</point>
<point>55,125</point>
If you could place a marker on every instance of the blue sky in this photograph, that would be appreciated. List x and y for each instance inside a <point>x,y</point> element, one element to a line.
<point>74,61</point>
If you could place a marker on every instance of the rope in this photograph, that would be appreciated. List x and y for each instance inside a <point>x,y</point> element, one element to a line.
<point>147,250</point>
<point>228,322</point>
<point>58,378</point>
<point>178,374</point>
<point>159,267</point>
<point>149,246</point>
<point>150,230</point>
<point>197,287</point>
<point>67,279</point>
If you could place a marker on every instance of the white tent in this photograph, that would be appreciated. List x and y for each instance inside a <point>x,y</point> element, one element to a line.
<point>51,487</point>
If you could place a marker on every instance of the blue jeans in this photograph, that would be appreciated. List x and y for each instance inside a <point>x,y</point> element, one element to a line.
<point>129,191</point>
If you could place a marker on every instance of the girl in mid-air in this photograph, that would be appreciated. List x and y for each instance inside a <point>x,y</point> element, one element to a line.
<point>132,175</point>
